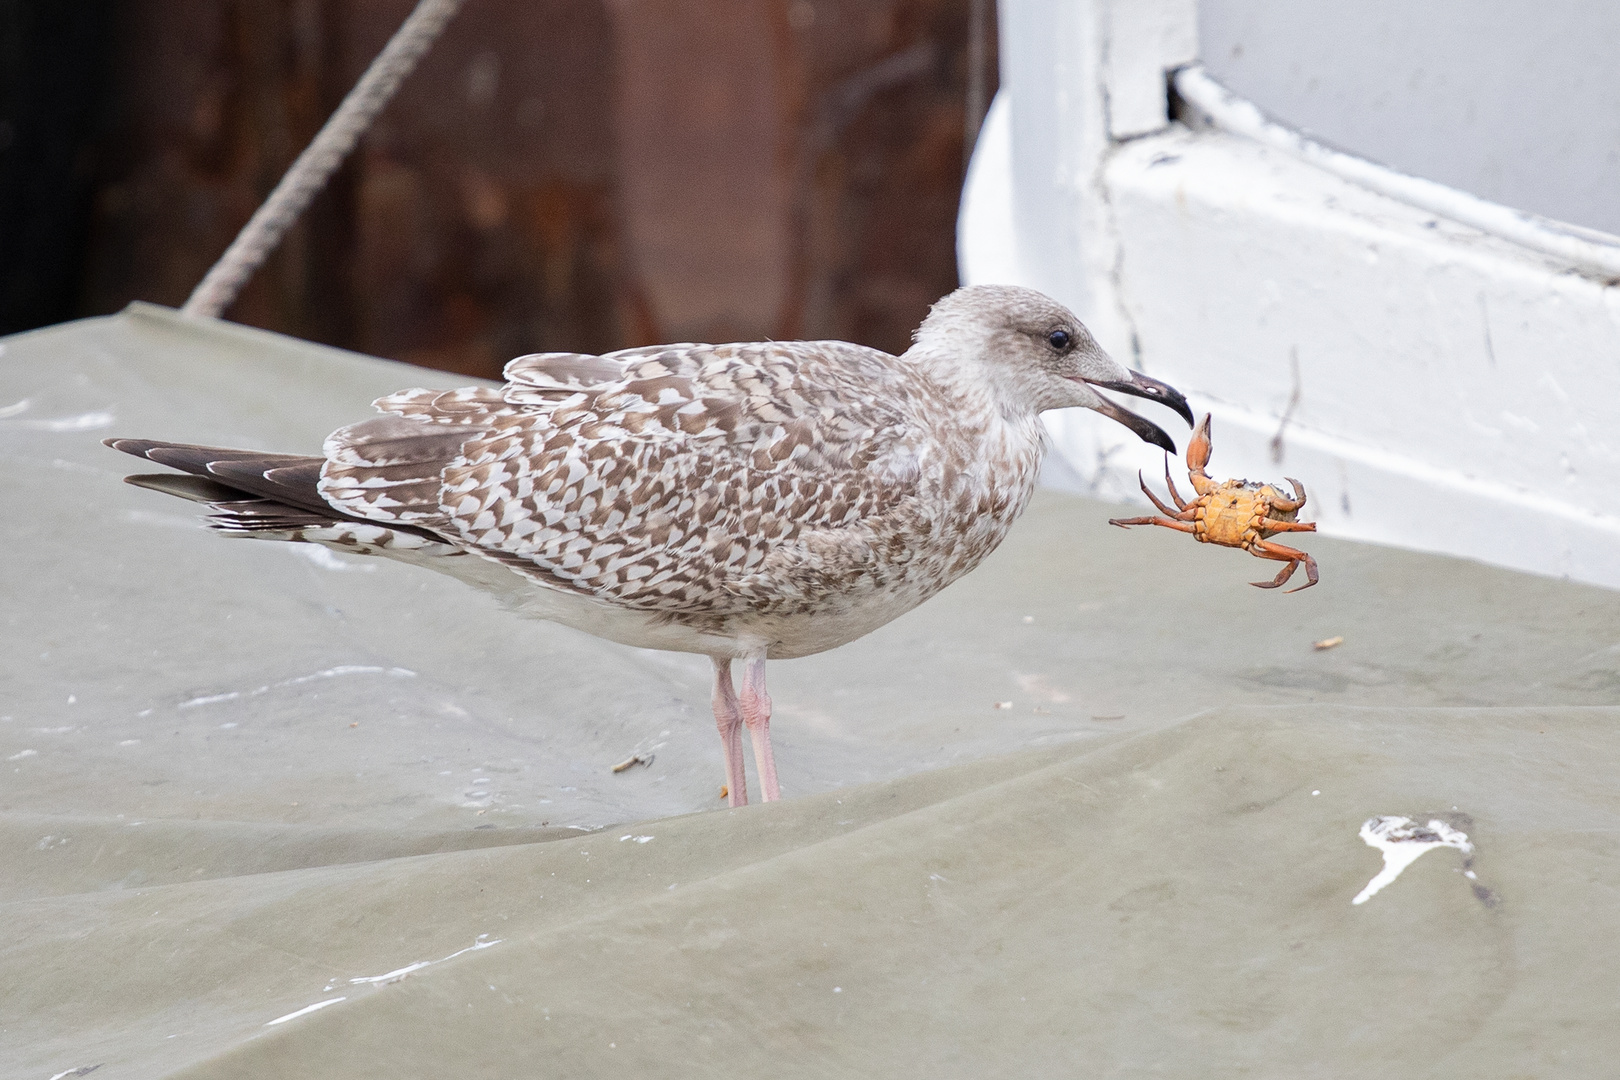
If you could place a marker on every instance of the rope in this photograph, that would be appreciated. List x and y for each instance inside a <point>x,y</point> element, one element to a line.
<point>320,159</point>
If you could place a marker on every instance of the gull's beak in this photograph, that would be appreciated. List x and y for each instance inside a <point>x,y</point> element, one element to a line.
<point>1139,385</point>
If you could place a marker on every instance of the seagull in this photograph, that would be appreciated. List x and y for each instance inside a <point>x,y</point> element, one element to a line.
<point>747,501</point>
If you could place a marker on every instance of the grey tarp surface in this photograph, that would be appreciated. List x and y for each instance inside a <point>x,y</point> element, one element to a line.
<point>241,779</point>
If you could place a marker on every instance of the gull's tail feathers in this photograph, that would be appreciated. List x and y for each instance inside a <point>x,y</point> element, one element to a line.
<point>269,497</point>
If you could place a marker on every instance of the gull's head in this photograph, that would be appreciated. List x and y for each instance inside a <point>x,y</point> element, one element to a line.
<point>1036,355</point>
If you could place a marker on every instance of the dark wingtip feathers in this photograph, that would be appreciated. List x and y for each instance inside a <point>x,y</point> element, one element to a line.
<point>227,475</point>
<point>197,489</point>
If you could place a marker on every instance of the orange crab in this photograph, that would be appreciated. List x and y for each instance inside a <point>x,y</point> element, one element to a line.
<point>1238,513</point>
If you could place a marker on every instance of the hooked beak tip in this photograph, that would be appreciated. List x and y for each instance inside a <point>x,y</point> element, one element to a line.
<point>1165,395</point>
<point>1139,385</point>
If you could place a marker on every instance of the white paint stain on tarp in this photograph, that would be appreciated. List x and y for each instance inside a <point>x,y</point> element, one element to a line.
<point>82,1070</point>
<point>90,421</point>
<point>305,1011</point>
<point>399,973</point>
<point>1402,842</point>
<point>325,559</point>
<point>387,977</point>
<point>329,673</point>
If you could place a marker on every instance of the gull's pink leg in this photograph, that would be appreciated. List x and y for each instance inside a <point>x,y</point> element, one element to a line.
<point>756,709</point>
<point>728,717</point>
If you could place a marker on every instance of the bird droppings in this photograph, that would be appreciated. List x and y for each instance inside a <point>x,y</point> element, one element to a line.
<point>1402,842</point>
<point>1327,643</point>
<point>1004,704</point>
<point>19,755</point>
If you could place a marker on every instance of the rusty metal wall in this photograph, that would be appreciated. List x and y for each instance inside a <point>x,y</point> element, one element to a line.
<point>558,174</point>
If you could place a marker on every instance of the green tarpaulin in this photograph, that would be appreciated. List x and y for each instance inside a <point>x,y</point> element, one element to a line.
<point>1094,811</point>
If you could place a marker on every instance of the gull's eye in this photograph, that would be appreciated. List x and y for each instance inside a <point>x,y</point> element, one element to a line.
<point>1059,340</point>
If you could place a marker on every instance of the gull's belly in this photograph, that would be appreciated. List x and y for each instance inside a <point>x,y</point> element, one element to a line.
<point>837,622</point>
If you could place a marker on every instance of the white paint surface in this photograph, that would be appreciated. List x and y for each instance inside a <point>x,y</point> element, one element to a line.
<point>1593,253</point>
<point>1514,100</point>
<point>1457,391</point>
<point>1402,842</point>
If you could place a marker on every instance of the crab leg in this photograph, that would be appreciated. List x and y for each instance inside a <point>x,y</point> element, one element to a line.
<point>1266,550</point>
<point>1171,484</point>
<point>1288,526</point>
<point>1177,525</point>
<point>1149,493</point>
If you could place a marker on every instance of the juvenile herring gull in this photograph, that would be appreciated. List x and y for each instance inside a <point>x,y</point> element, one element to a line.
<point>747,501</point>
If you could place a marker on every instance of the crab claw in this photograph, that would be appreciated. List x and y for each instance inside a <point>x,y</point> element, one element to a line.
<point>1290,505</point>
<point>1198,446</point>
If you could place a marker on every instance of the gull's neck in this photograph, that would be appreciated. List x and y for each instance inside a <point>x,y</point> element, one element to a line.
<point>1001,439</point>
<point>957,363</point>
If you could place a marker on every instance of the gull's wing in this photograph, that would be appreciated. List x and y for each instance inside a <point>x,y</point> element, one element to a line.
<point>681,479</point>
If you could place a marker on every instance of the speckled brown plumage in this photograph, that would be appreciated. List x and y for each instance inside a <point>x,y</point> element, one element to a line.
<point>711,485</point>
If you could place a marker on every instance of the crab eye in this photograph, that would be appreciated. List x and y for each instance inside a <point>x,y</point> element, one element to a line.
<point>1059,340</point>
